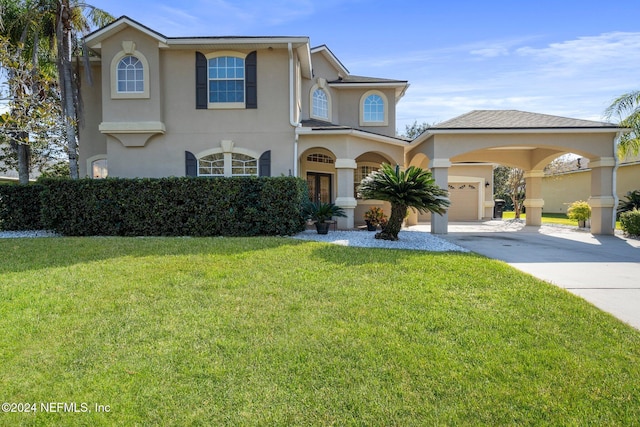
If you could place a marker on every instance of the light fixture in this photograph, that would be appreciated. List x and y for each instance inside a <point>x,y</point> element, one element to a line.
<point>487,184</point>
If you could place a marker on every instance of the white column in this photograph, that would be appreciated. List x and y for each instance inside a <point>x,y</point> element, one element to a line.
<point>440,170</point>
<point>602,200</point>
<point>533,200</point>
<point>344,171</point>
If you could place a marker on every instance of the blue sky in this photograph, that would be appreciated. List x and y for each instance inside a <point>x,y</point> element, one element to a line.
<point>562,57</point>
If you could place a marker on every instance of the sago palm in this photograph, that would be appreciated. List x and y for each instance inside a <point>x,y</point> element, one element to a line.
<point>414,188</point>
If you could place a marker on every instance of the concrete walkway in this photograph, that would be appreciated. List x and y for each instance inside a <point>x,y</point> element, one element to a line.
<point>604,270</point>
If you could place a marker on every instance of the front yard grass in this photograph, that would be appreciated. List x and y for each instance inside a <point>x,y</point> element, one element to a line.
<point>551,218</point>
<point>275,331</point>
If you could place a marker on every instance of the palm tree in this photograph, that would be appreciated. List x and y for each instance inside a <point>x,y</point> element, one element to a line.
<point>414,188</point>
<point>69,21</point>
<point>626,107</point>
<point>21,26</point>
<point>54,26</point>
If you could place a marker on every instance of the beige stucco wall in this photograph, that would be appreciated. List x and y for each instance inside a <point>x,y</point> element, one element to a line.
<point>322,69</point>
<point>345,102</point>
<point>127,110</point>
<point>527,151</point>
<point>92,142</point>
<point>349,100</point>
<point>173,104</point>
<point>561,190</point>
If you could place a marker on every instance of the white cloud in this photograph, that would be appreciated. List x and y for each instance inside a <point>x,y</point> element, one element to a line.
<point>573,78</point>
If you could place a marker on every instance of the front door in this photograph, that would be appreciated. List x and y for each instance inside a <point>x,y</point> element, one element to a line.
<point>319,187</point>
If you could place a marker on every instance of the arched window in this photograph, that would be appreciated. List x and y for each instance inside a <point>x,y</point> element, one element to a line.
<point>230,163</point>
<point>99,169</point>
<point>320,105</point>
<point>373,109</point>
<point>130,75</point>
<point>211,165</point>
<point>129,71</point>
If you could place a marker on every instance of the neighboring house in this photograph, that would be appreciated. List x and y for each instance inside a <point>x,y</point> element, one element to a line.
<point>270,106</point>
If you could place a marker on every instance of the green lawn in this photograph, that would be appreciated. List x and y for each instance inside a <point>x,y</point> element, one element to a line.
<point>275,331</point>
<point>551,218</point>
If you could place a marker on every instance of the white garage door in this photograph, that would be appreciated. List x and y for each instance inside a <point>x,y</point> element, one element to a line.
<point>464,201</point>
<point>464,198</point>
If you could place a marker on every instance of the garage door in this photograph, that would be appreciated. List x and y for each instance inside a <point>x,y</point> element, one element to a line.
<point>464,201</point>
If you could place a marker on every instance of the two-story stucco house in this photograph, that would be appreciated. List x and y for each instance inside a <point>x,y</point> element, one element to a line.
<point>269,106</point>
<point>228,106</point>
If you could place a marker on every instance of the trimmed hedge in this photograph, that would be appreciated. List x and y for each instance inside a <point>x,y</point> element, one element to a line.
<point>20,207</point>
<point>239,206</point>
<point>630,222</point>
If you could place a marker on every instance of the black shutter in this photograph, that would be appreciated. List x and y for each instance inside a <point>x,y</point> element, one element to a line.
<point>251,80</point>
<point>190,164</point>
<point>202,103</point>
<point>264,164</point>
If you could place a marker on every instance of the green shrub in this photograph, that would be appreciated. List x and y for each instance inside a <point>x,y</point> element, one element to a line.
<point>579,211</point>
<point>20,207</point>
<point>241,206</point>
<point>632,202</point>
<point>630,222</point>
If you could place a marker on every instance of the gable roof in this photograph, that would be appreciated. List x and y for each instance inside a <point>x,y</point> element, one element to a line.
<point>514,119</point>
<point>299,43</point>
<point>94,39</point>
<point>333,60</point>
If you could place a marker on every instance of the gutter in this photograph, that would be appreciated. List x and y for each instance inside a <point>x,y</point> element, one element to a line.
<point>614,180</point>
<point>292,120</point>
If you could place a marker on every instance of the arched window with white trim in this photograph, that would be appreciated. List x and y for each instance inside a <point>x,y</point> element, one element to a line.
<point>228,161</point>
<point>130,75</point>
<point>320,109</point>
<point>374,109</point>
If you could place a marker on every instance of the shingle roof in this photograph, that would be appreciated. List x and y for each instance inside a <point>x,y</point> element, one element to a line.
<point>319,125</point>
<point>363,79</point>
<point>514,119</point>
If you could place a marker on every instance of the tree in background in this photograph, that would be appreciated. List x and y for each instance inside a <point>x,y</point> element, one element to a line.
<point>415,130</point>
<point>626,108</point>
<point>414,188</point>
<point>71,21</point>
<point>52,29</point>
<point>509,185</point>
<point>516,189</point>
<point>30,128</point>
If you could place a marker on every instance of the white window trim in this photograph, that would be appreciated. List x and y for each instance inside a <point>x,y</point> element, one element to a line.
<point>228,149</point>
<point>226,105</point>
<point>329,109</point>
<point>114,75</point>
<point>385,122</point>
<point>92,159</point>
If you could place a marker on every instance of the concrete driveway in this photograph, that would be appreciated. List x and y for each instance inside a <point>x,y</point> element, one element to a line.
<point>604,270</point>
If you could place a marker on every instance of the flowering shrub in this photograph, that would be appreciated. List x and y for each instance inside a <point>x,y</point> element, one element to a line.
<point>375,216</point>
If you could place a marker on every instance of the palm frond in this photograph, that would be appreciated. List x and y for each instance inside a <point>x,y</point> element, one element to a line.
<point>414,188</point>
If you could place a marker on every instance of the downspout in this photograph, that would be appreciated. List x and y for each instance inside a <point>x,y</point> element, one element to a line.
<point>614,180</point>
<point>292,120</point>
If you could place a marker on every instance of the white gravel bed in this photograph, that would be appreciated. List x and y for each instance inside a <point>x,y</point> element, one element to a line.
<point>408,239</point>
<point>27,233</point>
